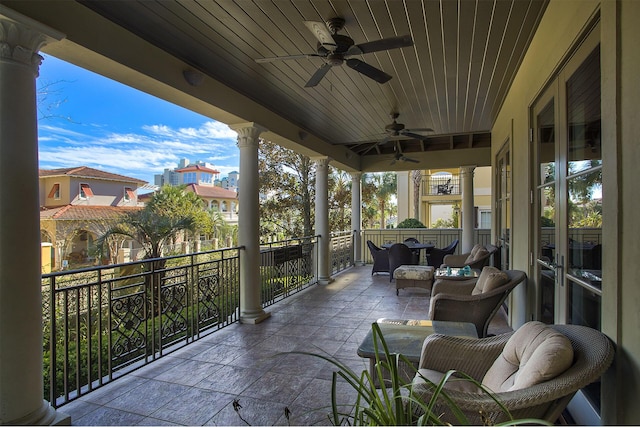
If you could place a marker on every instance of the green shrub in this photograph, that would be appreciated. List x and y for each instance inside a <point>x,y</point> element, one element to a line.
<point>411,223</point>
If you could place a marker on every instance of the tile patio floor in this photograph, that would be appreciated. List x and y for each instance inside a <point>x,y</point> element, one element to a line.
<point>198,384</point>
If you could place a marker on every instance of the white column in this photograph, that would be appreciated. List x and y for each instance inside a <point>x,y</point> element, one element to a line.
<point>356,216</point>
<point>21,381</point>
<point>322,219</point>
<point>404,196</point>
<point>249,224</point>
<point>467,208</point>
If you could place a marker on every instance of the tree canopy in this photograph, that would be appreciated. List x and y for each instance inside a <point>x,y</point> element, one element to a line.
<point>169,211</point>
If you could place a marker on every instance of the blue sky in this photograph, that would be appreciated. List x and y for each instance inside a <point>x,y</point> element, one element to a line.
<point>88,120</point>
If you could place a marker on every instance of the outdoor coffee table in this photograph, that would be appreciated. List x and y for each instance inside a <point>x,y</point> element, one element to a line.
<point>455,274</point>
<point>406,337</point>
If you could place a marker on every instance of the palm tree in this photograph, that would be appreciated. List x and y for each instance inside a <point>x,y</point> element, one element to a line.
<point>386,184</point>
<point>168,212</point>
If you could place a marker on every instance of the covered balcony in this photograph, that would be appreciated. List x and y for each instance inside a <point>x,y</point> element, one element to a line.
<point>198,383</point>
<point>542,91</point>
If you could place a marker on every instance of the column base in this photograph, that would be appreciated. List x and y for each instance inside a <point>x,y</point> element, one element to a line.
<point>255,317</point>
<point>325,280</point>
<point>360,263</point>
<point>46,415</point>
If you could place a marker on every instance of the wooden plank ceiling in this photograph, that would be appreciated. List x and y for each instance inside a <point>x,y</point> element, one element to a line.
<point>453,78</point>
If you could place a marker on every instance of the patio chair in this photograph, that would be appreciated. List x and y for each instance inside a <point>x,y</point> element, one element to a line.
<point>475,300</point>
<point>436,256</point>
<point>416,252</point>
<point>479,257</point>
<point>534,371</point>
<point>380,258</point>
<point>399,254</point>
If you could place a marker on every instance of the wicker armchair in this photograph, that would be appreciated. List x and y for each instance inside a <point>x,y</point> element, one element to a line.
<point>399,254</point>
<point>436,256</point>
<point>478,257</point>
<point>380,258</point>
<point>416,252</point>
<point>592,355</point>
<point>475,300</point>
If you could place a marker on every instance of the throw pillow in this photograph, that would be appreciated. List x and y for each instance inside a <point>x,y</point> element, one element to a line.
<point>490,278</point>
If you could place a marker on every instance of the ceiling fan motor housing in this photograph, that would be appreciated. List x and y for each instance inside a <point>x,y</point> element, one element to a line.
<point>394,127</point>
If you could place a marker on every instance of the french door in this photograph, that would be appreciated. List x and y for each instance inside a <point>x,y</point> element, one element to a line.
<point>568,196</point>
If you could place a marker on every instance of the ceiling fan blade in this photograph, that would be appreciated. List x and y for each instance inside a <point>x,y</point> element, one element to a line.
<point>368,70</point>
<point>419,130</point>
<point>382,44</point>
<point>287,57</point>
<point>318,75</point>
<point>408,159</point>
<point>413,135</point>
<point>320,31</point>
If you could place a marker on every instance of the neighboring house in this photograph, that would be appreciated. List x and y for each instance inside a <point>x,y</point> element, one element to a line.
<point>230,182</point>
<point>202,179</point>
<point>219,199</point>
<point>77,205</point>
<point>200,172</point>
<point>441,195</point>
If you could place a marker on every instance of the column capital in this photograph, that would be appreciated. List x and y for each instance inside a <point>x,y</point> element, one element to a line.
<point>248,133</point>
<point>467,168</point>
<point>21,38</point>
<point>356,175</point>
<point>321,162</point>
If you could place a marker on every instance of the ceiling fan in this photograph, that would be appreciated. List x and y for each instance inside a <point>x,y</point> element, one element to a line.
<point>396,131</point>
<point>337,49</point>
<point>400,157</point>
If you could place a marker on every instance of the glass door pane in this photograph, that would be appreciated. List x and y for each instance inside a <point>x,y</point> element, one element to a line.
<point>503,205</point>
<point>545,143</point>
<point>584,193</point>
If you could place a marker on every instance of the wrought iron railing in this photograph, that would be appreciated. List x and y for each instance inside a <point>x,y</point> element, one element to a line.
<point>102,322</point>
<point>341,251</point>
<point>440,185</point>
<point>287,267</point>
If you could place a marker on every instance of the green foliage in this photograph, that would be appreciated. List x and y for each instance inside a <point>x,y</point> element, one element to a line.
<point>394,403</point>
<point>168,212</point>
<point>287,179</point>
<point>547,222</point>
<point>411,223</point>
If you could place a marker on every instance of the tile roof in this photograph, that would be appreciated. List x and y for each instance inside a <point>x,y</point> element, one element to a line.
<point>211,192</point>
<point>85,213</point>
<point>87,172</point>
<point>200,168</point>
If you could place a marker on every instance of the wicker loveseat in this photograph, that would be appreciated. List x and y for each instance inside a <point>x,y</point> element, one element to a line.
<point>592,353</point>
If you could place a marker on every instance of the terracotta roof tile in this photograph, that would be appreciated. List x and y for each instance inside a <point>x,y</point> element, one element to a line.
<point>87,172</point>
<point>200,168</point>
<point>86,213</point>
<point>211,192</point>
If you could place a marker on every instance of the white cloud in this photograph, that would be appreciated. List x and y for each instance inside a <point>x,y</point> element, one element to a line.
<point>139,155</point>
